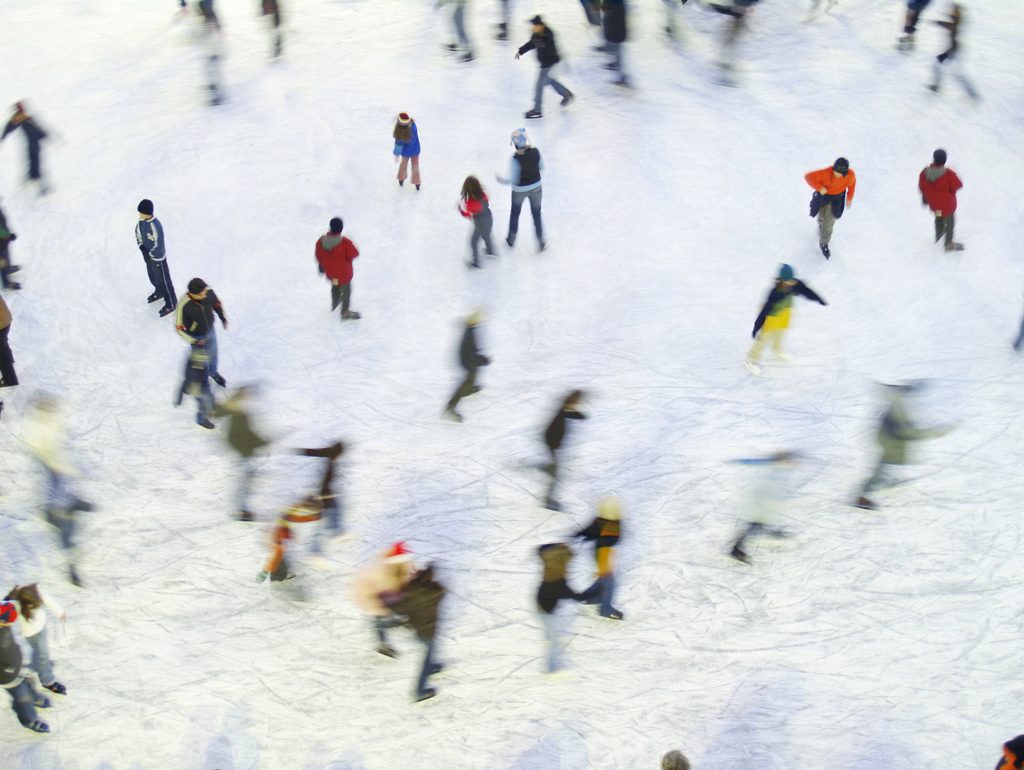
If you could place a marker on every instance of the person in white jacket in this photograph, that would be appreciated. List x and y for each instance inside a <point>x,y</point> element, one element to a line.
<point>33,604</point>
<point>44,433</point>
<point>386,574</point>
<point>769,492</point>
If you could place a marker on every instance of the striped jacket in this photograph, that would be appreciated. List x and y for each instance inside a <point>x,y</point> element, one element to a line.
<point>149,234</point>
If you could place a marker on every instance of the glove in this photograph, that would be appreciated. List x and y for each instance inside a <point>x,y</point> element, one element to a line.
<point>484,360</point>
<point>224,323</point>
<point>12,237</point>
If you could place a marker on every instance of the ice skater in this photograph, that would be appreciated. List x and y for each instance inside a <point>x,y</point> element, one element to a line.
<point>419,602</point>
<point>272,9</point>
<point>7,267</point>
<point>459,24</point>
<point>613,22</point>
<point>773,320</point>
<point>604,532</point>
<point>1013,754</point>
<point>194,322</point>
<point>8,376</point>
<point>34,138</point>
<point>913,15</point>
<point>554,438</point>
<point>524,178</point>
<point>768,495</point>
<point>149,235</point>
<point>833,194</point>
<point>34,606</point>
<point>277,567</point>
<point>196,383</point>
<point>471,359</point>
<point>386,574</point>
<point>245,442</point>
<point>543,41</point>
<point>553,589</point>
<point>332,526</point>
<point>737,11</point>
<point>407,148</point>
<point>938,186</point>
<point>475,207</point>
<point>506,13</point>
<point>950,58</point>
<point>13,676</point>
<point>334,255</point>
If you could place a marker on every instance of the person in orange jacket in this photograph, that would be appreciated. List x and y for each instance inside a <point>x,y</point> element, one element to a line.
<point>833,193</point>
<point>1013,754</point>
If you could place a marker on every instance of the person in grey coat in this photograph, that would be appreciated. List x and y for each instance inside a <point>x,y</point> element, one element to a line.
<point>149,235</point>
<point>524,178</point>
<point>13,676</point>
<point>471,359</point>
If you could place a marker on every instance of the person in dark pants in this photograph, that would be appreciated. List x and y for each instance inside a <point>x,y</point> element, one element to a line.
<point>477,208</point>
<point>334,255</point>
<point>553,589</point>
<point>604,532</point>
<point>194,322</point>
<point>834,188</point>
<point>950,58</point>
<point>8,377</point>
<point>471,359</point>
<point>914,10</point>
<point>272,8</point>
<point>554,437</point>
<point>524,178</point>
<point>149,235</point>
<point>197,383</point>
<point>613,18</point>
<point>938,186</point>
<point>14,677</point>
<point>1013,754</point>
<point>543,40</point>
<point>419,600</point>
<point>34,136</point>
<point>7,268</point>
<point>332,513</point>
<point>591,12</point>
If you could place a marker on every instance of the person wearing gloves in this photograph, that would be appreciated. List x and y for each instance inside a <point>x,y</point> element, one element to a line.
<point>418,601</point>
<point>543,41</point>
<point>149,235</point>
<point>334,255</point>
<point>475,207</point>
<point>246,444</point>
<point>195,324</point>
<point>7,268</point>
<point>13,678</point>
<point>938,186</point>
<point>471,359</point>
<point>773,320</point>
<point>44,433</point>
<point>407,148</point>
<point>553,589</point>
<point>385,574</point>
<point>833,194</point>
<point>32,603</point>
<point>524,178</point>
<point>768,494</point>
<point>604,532</point>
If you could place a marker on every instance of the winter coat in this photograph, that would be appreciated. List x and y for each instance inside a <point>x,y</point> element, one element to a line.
<point>553,587</point>
<point>837,202</point>
<point>604,534</point>
<point>194,317</point>
<point>43,433</point>
<point>938,186</point>
<point>835,185</point>
<point>335,254</point>
<point>777,307</point>
<point>473,207</point>
<point>613,16</point>
<point>411,148</point>
<point>379,577</point>
<point>10,659</point>
<point>241,437</point>
<point>1013,754</point>
<point>897,430</point>
<point>469,355</point>
<point>31,626</point>
<point>149,234</point>
<point>555,433</point>
<point>33,133</point>
<point>544,43</point>
<point>524,170</point>
<point>419,601</point>
<point>5,315</point>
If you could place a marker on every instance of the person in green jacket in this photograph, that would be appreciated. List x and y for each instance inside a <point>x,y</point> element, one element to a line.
<point>245,442</point>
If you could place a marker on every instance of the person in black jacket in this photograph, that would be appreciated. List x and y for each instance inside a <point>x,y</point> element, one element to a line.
<point>604,532</point>
<point>1013,754</point>
<point>554,437</point>
<point>613,15</point>
<point>194,322</point>
<point>773,320</point>
<point>543,40</point>
<point>327,496</point>
<point>34,136</point>
<point>470,358</point>
<point>14,678</point>
<point>149,235</point>
<point>553,589</point>
<point>419,601</point>
<point>7,268</point>
<point>524,178</point>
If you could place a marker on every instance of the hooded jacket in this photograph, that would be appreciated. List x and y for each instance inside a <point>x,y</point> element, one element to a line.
<point>335,253</point>
<point>938,186</point>
<point>834,185</point>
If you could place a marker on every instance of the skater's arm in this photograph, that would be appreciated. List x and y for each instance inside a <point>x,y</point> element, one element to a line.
<point>817,179</point>
<point>7,129</point>
<point>218,308</point>
<point>851,187</point>
<point>802,289</point>
<point>773,297</point>
<point>590,532</point>
<point>180,323</point>
<point>572,414</point>
<point>52,604</point>
<point>526,47</point>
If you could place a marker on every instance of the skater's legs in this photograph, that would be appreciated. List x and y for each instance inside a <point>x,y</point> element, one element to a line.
<point>876,478</point>
<point>559,88</point>
<point>402,166</point>
<point>34,164</point>
<point>246,475</point>
<point>7,373</point>
<point>425,670</point>
<point>752,528</point>
<point>607,593</point>
<point>536,197</point>
<point>1020,337</point>
<point>41,657</point>
<point>155,276</point>
<point>513,220</point>
<point>485,224</point>
<point>459,19</point>
<point>552,634</point>
<point>23,702</point>
<point>335,295</point>
<point>464,389</point>
<point>826,221</point>
<point>538,94</point>
<point>552,470</point>
<point>164,286</point>
<point>948,223</point>
<point>590,9</point>
<point>204,404</point>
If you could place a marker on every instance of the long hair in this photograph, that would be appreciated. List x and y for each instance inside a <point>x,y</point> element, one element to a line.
<point>572,399</point>
<point>28,597</point>
<point>403,133</point>
<point>471,189</point>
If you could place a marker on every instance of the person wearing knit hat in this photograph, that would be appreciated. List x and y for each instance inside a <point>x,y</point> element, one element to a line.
<point>674,760</point>
<point>407,148</point>
<point>542,40</point>
<point>1013,754</point>
<point>386,574</point>
<point>34,137</point>
<point>524,178</point>
<point>14,675</point>
<point>773,320</point>
<point>471,359</point>
<point>939,185</point>
<point>194,322</point>
<point>7,268</point>
<point>833,194</point>
<point>334,255</point>
<point>604,532</point>
<point>149,235</point>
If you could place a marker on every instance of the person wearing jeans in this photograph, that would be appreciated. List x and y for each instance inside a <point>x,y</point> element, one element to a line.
<point>543,41</point>
<point>34,605</point>
<point>419,600</point>
<point>553,589</point>
<point>332,526</point>
<point>604,531</point>
<point>194,322</point>
<point>475,207</point>
<point>24,697</point>
<point>525,178</point>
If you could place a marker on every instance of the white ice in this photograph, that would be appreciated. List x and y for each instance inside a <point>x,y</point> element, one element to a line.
<point>888,640</point>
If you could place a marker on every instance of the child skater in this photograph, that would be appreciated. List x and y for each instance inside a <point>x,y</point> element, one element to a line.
<point>407,147</point>
<point>388,572</point>
<point>14,676</point>
<point>475,207</point>
<point>33,603</point>
<point>768,494</point>
<point>773,320</point>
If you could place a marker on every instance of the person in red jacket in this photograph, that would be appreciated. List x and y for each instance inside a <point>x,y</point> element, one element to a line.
<point>334,254</point>
<point>833,193</point>
<point>474,206</point>
<point>938,186</point>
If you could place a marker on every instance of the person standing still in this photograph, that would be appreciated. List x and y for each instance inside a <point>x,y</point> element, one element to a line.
<point>149,235</point>
<point>543,41</point>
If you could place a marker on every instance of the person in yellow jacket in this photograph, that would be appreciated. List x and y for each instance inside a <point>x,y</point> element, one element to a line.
<point>604,531</point>
<point>773,320</point>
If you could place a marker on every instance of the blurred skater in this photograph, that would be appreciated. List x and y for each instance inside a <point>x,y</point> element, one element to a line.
<point>277,567</point>
<point>506,13</point>
<point>44,432</point>
<point>34,136</point>
<point>13,676</point>
<point>950,59</point>
<point>613,20</point>
<point>674,760</point>
<point>604,532</point>
<point>737,11</point>
<point>149,235</point>
<point>8,377</point>
<point>769,492</point>
<point>895,432</point>
<point>386,574</point>
<point>407,148</point>
<point>196,383</point>
<point>524,178</point>
<point>334,254</point>
<point>195,322</point>
<point>7,266</point>
<point>1013,754</point>
<point>419,601</point>
<point>245,443</point>
<point>459,24</point>
<point>938,186</point>
<point>553,589</point>
<point>272,9</point>
<point>773,320</point>
<point>471,359</point>
<point>913,15</point>
<point>543,41</point>
<point>34,605</point>
<point>330,500</point>
<point>554,437</point>
<point>833,194</point>
<point>475,207</point>
<point>1019,342</point>
<point>591,9</point>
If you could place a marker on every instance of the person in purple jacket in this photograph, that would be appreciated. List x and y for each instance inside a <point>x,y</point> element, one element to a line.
<point>407,147</point>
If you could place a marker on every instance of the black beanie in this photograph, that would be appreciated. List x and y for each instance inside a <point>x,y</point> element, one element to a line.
<point>146,207</point>
<point>196,285</point>
<point>337,225</point>
<point>841,166</point>
<point>939,156</point>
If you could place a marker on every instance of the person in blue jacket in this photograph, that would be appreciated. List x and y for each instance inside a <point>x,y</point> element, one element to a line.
<point>149,235</point>
<point>407,147</point>
<point>524,177</point>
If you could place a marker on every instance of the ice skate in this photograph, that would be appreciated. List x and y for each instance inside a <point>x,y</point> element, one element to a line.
<point>533,114</point>
<point>452,415</point>
<point>866,504</point>
<point>466,57</point>
<point>37,726</point>
<point>219,380</point>
<point>905,44</point>
<point>560,674</point>
<point>387,651</point>
<point>825,251</point>
<point>954,247</point>
<point>41,701</point>
<point>154,297</point>
<point>568,99</point>
<point>350,315</point>
<point>552,504</point>
<point>244,516</point>
<point>782,357</point>
<point>56,687</point>
<point>739,555</point>
<point>166,311</point>
<point>753,367</point>
<point>502,34</point>
<point>612,614</point>
<point>205,424</point>
<point>427,694</point>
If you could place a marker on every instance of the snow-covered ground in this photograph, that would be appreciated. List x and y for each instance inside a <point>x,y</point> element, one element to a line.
<point>886,640</point>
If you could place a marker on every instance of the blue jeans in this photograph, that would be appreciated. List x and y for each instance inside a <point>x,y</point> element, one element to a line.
<point>204,403</point>
<point>41,657</point>
<point>459,19</point>
<point>535,197</point>
<point>58,490</point>
<point>331,525</point>
<point>428,662</point>
<point>553,634</point>
<point>543,79</point>
<point>602,589</point>
<point>23,697</point>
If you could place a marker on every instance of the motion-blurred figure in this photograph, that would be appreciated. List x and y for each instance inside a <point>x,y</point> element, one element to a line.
<point>914,10</point>
<point>387,573</point>
<point>459,24</point>
<point>277,567</point>
<point>895,432</point>
<point>670,16</point>
<point>604,532</point>
<point>246,444</point>
<point>33,605</point>
<point>7,267</point>
<point>769,492</point>
<point>407,148</point>
<point>196,383</point>
<point>542,40</point>
<point>506,14</point>
<point>674,760</point>
<point>950,58</point>
<point>737,11</point>
<point>613,20</point>
<point>44,432</point>
<point>149,235</point>
<point>553,589</point>
<point>834,188</point>
<point>1019,342</point>
<point>773,320</point>
<point>554,437</point>
<point>1013,754</point>
<point>471,359</point>
<point>272,9</point>
<point>524,178</point>
<point>419,601</point>
<point>34,136</point>
<point>8,377</point>
<point>938,186</point>
<point>332,508</point>
<point>194,322</point>
<point>334,255</point>
<point>14,677</point>
<point>475,207</point>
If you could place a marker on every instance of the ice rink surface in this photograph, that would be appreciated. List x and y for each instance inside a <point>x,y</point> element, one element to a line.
<point>885,640</point>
